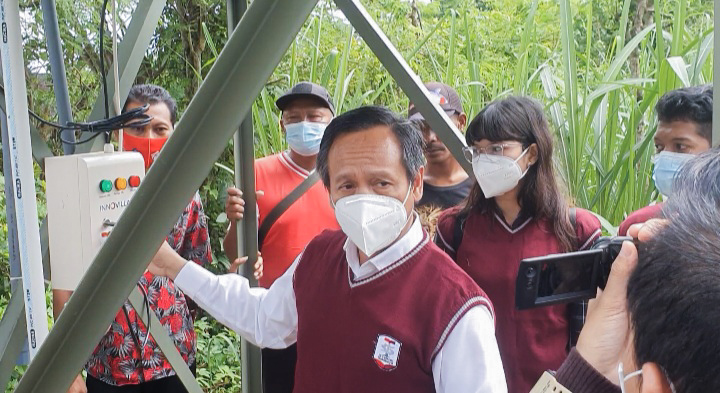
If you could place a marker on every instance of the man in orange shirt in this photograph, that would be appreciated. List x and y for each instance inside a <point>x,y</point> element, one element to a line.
<point>306,109</point>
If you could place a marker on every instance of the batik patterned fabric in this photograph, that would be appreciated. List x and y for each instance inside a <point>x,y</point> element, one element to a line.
<point>118,359</point>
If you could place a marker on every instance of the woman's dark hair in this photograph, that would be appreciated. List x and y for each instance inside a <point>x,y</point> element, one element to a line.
<point>364,118</point>
<point>152,94</point>
<point>522,119</point>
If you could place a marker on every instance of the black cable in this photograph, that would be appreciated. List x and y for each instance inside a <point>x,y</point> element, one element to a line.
<point>102,57</point>
<point>75,143</point>
<point>134,335</point>
<point>134,118</point>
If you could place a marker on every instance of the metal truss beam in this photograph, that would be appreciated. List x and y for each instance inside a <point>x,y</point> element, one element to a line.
<point>406,78</point>
<point>239,73</point>
<point>168,348</point>
<point>57,69</point>
<point>12,334</point>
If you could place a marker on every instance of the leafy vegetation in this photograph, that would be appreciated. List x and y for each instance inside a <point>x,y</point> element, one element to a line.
<point>598,66</point>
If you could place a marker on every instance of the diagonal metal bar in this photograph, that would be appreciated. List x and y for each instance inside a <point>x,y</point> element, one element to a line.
<point>131,52</point>
<point>12,334</point>
<point>163,341</point>
<point>716,75</point>
<point>406,78</point>
<point>253,51</point>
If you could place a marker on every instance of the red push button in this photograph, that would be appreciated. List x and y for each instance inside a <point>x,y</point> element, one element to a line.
<point>134,181</point>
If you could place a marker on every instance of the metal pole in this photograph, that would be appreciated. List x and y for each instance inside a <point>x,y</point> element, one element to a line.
<point>246,230</point>
<point>716,75</point>
<point>18,125</point>
<point>406,78</point>
<point>57,68</point>
<point>131,52</point>
<point>253,51</point>
<point>13,257</point>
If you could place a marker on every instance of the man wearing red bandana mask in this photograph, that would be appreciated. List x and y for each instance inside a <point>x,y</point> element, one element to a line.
<point>126,359</point>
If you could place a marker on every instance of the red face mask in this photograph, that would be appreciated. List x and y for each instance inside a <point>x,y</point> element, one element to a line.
<point>148,147</point>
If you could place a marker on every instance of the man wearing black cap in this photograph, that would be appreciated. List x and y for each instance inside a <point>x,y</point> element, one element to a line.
<point>446,183</point>
<point>306,109</point>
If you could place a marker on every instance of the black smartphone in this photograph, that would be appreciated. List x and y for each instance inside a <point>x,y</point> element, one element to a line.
<point>565,278</point>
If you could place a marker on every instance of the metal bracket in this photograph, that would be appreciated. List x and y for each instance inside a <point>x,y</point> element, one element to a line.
<point>163,341</point>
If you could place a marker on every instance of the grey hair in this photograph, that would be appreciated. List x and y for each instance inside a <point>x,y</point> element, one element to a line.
<point>673,294</point>
<point>364,118</point>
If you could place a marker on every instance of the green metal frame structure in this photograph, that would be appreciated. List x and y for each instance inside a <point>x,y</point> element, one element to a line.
<point>218,110</point>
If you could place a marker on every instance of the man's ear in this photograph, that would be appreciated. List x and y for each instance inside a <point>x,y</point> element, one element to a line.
<point>654,379</point>
<point>418,184</point>
<point>281,123</point>
<point>462,121</point>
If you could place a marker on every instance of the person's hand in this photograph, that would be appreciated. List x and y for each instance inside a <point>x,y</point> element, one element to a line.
<point>78,385</point>
<point>605,335</point>
<point>235,204</point>
<point>606,332</point>
<point>241,261</point>
<point>645,231</point>
<point>166,263</point>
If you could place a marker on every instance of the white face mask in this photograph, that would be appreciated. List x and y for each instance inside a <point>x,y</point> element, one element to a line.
<point>666,165</point>
<point>497,175</point>
<point>304,137</point>
<point>371,221</point>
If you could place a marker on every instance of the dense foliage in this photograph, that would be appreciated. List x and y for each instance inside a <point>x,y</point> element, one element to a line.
<point>598,66</point>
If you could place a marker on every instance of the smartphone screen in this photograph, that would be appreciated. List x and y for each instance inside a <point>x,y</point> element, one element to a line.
<point>559,278</point>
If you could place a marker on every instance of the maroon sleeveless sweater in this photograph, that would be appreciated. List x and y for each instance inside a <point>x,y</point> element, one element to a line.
<point>530,341</point>
<point>381,333</point>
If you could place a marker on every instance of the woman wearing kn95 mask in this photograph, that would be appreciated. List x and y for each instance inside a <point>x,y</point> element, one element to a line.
<point>515,211</point>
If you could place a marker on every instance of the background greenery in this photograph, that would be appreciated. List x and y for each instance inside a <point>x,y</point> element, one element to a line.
<point>597,66</point>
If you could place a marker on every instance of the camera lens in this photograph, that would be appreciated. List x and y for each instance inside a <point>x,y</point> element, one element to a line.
<point>530,272</point>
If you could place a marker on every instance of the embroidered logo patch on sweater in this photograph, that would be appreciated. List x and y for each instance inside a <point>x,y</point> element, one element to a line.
<point>387,351</point>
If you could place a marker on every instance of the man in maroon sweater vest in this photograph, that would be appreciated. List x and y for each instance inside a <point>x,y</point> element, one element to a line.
<point>684,130</point>
<point>376,307</point>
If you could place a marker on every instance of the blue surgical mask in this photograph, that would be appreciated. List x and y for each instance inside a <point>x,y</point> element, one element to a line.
<point>667,165</point>
<point>304,137</point>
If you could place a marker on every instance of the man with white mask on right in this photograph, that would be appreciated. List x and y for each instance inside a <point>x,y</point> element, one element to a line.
<point>376,307</point>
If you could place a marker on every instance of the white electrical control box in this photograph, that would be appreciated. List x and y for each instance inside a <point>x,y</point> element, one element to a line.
<point>86,194</point>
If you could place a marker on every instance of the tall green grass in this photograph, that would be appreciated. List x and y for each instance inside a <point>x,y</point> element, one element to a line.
<point>601,112</point>
<point>605,130</point>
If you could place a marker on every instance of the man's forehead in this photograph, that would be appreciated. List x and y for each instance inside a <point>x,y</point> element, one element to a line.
<point>677,130</point>
<point>376,144</point>
<point>158,111</point>
<point>305,104</point>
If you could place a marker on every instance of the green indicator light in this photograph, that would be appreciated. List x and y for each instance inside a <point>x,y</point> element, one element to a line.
<point>106,186</point>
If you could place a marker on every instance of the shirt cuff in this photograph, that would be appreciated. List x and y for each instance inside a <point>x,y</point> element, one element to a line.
<point>578,376</point>
<point>192,278</point>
